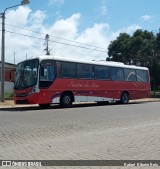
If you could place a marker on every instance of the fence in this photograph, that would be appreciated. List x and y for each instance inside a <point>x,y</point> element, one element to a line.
<point>8,87</point>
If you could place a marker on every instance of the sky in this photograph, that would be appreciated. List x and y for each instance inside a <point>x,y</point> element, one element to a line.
<point>80,29</point>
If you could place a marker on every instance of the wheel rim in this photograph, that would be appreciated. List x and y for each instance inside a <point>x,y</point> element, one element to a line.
<point>67,100</point>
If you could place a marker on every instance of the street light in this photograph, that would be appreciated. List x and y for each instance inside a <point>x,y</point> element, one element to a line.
<point>24,2</point>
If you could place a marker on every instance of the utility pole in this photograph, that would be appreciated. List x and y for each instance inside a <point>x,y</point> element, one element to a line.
<point>2,57</point>
<point>23,2</point>
<point>47,48</point>
<point>14,58</point>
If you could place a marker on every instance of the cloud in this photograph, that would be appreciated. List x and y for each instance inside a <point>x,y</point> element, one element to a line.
<point>130,30</point>
<point>37,17</point>
<point>146,17</point>
<point>18,40</point>
<point>24,42</point>
<point>52,2</point>
<point>104,10</point>
<point>58,15</point>
<point>66,27</point>
<point>18,16</point>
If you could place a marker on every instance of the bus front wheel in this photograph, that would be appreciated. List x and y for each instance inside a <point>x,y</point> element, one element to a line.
<point>66,100</point>
<point>124,98</point>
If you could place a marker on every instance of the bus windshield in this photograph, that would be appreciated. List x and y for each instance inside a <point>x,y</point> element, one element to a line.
<point>26,74</point>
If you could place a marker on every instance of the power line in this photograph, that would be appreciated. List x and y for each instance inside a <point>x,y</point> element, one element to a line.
<point>58,42</point>
<point>55,37</point>
<point>25,35</point>
<point>25,29</point>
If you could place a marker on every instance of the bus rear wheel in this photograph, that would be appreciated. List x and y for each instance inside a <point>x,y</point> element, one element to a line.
<point>124,98</point>
<point>44,106</point>
<point>66,100</point>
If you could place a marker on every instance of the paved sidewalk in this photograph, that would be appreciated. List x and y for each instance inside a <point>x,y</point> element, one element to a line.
<point>145,100</point>
<point>10,103</point>
<point>7,103</point>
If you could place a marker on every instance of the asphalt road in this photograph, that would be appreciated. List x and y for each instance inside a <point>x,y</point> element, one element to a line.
<point>84,132</point>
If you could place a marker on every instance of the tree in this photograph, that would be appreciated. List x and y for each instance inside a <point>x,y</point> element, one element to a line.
<point>118,50</point>
<point>142,49</point>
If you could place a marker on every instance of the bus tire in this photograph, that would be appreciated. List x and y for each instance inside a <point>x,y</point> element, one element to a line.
<point>66,100</point>
<point>44,106</point>
<point>124,98</point>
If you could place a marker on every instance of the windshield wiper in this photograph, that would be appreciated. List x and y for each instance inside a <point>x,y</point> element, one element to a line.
<point>21,83</point>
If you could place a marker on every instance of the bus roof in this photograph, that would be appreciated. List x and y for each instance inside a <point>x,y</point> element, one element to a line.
<point>94,62</point>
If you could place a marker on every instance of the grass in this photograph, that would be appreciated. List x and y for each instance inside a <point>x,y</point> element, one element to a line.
<point>156,95</point>
<point>8,95</point>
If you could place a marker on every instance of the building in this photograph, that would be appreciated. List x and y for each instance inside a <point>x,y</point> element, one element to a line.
<point>9,71</point>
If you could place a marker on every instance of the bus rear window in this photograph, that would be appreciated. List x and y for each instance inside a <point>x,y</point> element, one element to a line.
<point>142,76</point>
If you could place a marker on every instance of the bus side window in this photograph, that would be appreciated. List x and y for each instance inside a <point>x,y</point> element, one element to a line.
<point>117,74</point>
<point>47,75</point>
<point>68,70</point>
<point>42,71</point>
<point>85,71</point>
<point>130,75</point>
<point>58,69</point>
<point>102,73</point>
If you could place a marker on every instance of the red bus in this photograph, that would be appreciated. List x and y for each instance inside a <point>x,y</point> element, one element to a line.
<point>50,80</point>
